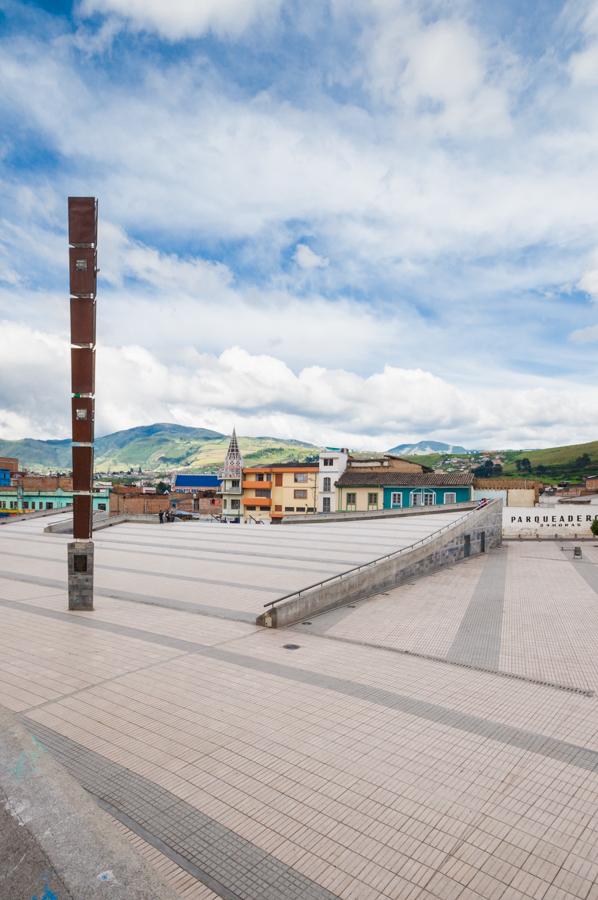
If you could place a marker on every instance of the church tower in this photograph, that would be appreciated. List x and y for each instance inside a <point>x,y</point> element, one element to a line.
<point>232,481</point>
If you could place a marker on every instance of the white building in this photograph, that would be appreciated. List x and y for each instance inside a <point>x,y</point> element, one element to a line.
<point>332,465</point>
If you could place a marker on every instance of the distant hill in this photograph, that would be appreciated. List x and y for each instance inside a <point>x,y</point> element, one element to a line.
<point>422,448</point>
<point>572,462</point>
<point>160,447</point>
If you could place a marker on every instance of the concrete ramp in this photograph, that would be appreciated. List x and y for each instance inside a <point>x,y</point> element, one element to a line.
<point>475,532</point>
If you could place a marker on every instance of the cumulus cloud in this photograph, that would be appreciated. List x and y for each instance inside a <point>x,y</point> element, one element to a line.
<point>264,395</point>
<point>306,258</point>
<point>589,280</point>
<point>179,19</point>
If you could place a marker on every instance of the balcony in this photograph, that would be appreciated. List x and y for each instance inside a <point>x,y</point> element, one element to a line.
<point>257,501</point>
<point>257,485</point>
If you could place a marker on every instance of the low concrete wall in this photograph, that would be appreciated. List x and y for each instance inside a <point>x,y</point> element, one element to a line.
<point>65,526</point>
<point>37,514</point>
<point>102,520</point>
<point>441,549</point>
<point>377,513</point>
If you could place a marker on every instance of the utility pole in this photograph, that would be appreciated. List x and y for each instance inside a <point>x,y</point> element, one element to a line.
<point>83,240</point>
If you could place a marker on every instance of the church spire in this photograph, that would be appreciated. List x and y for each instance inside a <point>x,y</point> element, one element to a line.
<point>233,461</point>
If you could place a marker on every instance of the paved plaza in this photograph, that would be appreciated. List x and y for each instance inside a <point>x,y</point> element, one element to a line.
<point>437,741</point>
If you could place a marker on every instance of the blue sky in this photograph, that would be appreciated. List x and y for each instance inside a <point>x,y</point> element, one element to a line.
<point>360,222</point>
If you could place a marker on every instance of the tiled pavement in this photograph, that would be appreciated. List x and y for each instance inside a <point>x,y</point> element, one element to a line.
<point>341,768</point>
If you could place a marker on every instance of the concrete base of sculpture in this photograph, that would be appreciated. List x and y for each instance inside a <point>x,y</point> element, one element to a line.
<point>80,564</point>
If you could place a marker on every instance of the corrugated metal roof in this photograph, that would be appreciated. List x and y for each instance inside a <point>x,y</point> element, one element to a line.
<point>405,479</point>
<point>205,481</point>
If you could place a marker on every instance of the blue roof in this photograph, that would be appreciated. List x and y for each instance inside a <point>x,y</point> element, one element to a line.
<point>204,481</point>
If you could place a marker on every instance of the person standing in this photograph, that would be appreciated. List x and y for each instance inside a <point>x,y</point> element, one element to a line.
<point>161,516</point>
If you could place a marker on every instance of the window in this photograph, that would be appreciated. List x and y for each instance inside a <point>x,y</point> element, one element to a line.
<point>326,484</point>
<point>396,500</point>
<point>224,503</point>
<point>102,506</point>
<point>372,501</point>
<point>300,495</point>
<point>450,497</point>
<point>278,508</point>
<point>278,480</point>
<point>25,504</point>
<point>328,462</point>
<point>289,509</point>
<point>423,498</point>
<point>300,477</point>
<point>235,504</point>
<point>2,504</point>
<point>259,476</point>
<point>311,509</point>
<point>263,492</point>
<point>300,509</point>
<point>49,506</point>
<point>326,504</point>
<point>13,504</point>
<point>250,508</point>
<point>234,483</point>
<point>351,500</point>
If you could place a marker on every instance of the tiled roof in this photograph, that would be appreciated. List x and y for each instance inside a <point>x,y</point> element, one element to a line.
<point>205,481</point>
<point>405,479</point>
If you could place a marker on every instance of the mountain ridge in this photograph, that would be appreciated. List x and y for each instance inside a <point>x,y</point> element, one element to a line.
<point>422,448</point>
<point>161,446</point>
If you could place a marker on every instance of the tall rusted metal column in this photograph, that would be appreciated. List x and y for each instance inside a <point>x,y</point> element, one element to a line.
<point>83,241</point>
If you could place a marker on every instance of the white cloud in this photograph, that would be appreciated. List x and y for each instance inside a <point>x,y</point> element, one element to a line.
<point>264,395</point>
<point>306,258</point>
<point>589,280</point>
<point>437,72</point>
<point>179,19</point>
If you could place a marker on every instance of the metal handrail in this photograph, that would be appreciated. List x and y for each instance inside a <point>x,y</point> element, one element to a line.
<point>379,559</point>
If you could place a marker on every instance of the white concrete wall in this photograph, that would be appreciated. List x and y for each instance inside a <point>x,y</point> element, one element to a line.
<point>565,520</point>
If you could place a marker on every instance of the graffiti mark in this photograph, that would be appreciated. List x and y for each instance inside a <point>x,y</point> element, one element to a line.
<point>47,894</point>
<point>17,809</point>
<point>26,760</point>
<point>108,875</point>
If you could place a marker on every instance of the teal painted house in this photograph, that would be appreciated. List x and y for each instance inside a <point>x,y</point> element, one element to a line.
<point>365,491</point>
<point>430,495</point>
<point>13,502</point>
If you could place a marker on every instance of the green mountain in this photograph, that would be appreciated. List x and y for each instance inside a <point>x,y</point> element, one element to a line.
<point>573,462</point>
<point>160,447</point>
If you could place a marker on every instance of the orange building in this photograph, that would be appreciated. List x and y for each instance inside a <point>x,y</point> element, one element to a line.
<point>277,491</point>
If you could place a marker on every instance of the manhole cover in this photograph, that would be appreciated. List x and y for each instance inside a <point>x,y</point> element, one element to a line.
<point>291,646</point>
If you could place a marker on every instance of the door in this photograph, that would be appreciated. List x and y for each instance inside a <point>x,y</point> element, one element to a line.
<point>466,544</point>
<point>482,542</point>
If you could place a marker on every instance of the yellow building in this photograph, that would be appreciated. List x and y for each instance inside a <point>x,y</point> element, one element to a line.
<point>274,492</point>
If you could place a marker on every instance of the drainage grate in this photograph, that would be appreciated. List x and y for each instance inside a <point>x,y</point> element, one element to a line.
<point>291,646</point>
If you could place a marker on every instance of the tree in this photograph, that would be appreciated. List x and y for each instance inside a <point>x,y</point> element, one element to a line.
<point>582,461</point>
<point>162,487</point>
<point>594,526</point>
<point>523,465</point>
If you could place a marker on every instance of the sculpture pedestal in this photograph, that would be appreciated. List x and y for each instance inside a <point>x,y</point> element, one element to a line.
<point>80,565</point>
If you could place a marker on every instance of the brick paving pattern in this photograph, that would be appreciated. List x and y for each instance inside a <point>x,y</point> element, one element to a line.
<point>346,768</point>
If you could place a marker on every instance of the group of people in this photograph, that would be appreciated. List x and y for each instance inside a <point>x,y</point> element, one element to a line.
<point>166,515</point>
